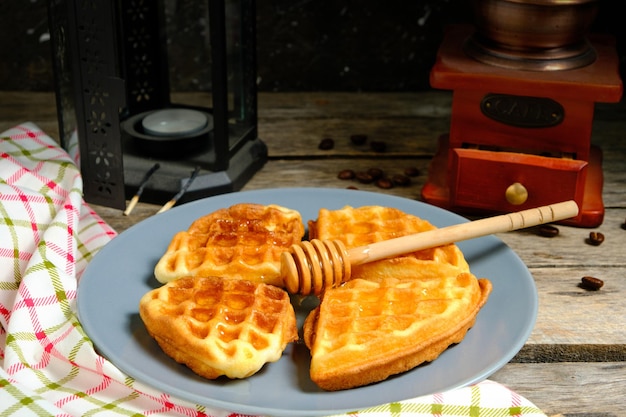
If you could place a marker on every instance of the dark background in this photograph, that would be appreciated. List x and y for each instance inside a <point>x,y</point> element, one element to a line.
<point>324,45</point>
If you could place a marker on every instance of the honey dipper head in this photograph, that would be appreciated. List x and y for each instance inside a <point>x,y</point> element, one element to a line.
<point>310,267</point>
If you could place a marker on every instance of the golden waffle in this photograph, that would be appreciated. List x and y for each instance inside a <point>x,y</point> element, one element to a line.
<point>369,224</point>
<point>220,326</point>
<point>367,330</point>
<point>243,241</point>
<point>395,313</point>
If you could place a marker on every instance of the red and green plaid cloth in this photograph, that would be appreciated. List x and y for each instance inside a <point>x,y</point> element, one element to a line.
<point>48,366</point>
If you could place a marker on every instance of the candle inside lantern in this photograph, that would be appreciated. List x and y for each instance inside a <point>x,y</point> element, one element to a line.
<point>174,122</point>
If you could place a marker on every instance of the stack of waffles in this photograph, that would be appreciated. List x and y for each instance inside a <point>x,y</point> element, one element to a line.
<point>221,311</point>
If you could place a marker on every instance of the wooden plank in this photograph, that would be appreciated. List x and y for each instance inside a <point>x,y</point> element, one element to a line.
<point>355,104</point>
<point>405,137</point>
<point>18,107</point>
<point>584,352</point>
<point>323,173</point>
<point>314,105</point>
<point>404,122</point>
<point>569,314</point>
<point>571,389</point>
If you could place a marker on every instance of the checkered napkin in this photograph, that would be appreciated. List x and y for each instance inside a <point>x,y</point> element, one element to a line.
<point>48,366</point>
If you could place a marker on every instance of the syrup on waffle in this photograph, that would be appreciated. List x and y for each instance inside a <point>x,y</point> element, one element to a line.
<point>369,224</point>
<point>243,241</point>
<point>395,313</point>
<point>220,326</point>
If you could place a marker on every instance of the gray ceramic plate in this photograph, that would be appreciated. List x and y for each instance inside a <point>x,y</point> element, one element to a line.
<point>117,277</point>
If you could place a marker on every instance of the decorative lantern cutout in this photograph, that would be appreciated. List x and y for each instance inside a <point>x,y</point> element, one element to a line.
<point>118,116</point>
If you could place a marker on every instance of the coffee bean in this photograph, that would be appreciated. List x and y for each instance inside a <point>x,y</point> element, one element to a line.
<point>358,139</point>
<point>591,283</point>
<point>595,238</point>
<point>326,144</point>
<point>378,146</point>
<point>624,225</point>
<point>401,180</point>
<point>346,174</point>
<point>412,172</point>
<point>547,230</point>
<point>351,187</point>
<point>384,183</point>
<point>376,173</point>
<point>364,178</point>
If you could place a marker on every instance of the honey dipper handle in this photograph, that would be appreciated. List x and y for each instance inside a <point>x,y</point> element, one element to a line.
<point>464,231</point>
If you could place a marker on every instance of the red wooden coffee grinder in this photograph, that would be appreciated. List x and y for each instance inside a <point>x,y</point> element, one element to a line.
<point>525,80</point>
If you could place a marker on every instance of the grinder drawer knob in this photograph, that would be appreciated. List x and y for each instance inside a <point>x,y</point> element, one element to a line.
<point>516,194</point>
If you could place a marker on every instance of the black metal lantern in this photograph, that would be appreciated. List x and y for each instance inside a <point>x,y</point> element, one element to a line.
<point>114,66</point>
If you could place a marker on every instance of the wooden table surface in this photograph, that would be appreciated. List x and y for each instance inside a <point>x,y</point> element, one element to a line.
<point>574,363</point>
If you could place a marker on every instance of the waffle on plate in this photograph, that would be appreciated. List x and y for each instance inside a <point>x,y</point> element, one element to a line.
<point>243,241</point>
<point>219,326</point>
<point>369,224</point>
<point>394,314</point>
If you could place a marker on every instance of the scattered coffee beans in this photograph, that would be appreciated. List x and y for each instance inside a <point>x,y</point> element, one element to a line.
<point>401,180</point>
<point>378,177</point>
<point>591,283</point>
<point>412,172</point>
<point>326,144</point>
<point>384,183</point>
<point>595,238</point>
<point>364,178</point>
<point>358,139</point>
<point>378,146</point>
<point>376,173</point>
<point>547,230</point>
<point>346,174</point>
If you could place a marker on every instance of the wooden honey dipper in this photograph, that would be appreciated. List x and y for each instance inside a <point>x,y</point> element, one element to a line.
<point>310,266</point>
